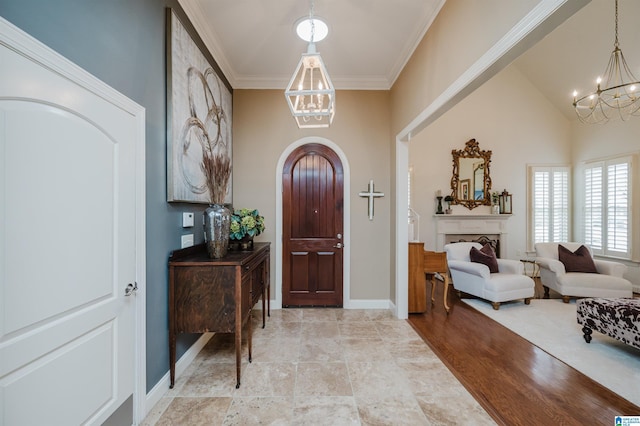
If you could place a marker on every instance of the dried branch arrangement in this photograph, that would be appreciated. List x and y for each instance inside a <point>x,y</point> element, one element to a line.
<point>217,170</point>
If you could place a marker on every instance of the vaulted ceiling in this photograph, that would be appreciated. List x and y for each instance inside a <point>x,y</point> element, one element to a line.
<point>573,55</point>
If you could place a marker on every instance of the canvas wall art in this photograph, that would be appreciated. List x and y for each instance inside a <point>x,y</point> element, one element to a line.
<point>199,104</point>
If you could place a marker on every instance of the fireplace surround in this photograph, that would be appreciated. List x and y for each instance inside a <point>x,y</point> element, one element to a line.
<point>480,228</point>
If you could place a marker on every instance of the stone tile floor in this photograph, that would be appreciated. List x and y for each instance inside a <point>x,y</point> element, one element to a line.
<point>320,366</point>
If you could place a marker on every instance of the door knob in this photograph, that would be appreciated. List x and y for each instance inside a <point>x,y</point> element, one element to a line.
<point>338,246</point>
<point>131,289</point>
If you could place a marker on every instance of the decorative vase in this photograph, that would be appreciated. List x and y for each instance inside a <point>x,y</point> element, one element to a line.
<point>217,220</point>
<point>495,209</point>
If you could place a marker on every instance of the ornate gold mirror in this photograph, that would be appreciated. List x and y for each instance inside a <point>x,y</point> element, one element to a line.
<point>471,181</point>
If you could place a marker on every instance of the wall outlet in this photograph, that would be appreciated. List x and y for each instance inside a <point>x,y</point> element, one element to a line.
<point>186,241</point>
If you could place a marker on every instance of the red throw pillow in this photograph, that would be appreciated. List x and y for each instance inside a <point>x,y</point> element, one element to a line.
<point>576,261</point>
<point>486,256</point>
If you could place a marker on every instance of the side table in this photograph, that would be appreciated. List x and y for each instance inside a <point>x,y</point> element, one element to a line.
<point>535,268</point>
<point>216,295</point>
<point>534,272</point>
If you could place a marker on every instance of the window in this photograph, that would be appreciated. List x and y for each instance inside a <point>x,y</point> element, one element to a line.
<point>607,209</point>
<point>549,195</point>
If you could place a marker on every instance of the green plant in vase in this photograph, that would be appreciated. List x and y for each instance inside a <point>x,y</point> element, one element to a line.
<point>245,224</point>
<point>495,199</point>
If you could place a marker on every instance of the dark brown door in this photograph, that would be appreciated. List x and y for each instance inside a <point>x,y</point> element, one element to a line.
<point>312,227</point>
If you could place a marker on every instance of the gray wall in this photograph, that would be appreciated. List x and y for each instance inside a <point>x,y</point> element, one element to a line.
<point>122,42</point>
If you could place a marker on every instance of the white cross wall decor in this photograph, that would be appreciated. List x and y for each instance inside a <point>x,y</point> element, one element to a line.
<point>371,195</point>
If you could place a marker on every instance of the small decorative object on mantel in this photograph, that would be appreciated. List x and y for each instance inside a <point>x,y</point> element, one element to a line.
<point>505,202</point>
<point>495,202</point>
<point>245,224</point>
<point>371,194</point>
<point>439,197</point>
<point>448,199</point>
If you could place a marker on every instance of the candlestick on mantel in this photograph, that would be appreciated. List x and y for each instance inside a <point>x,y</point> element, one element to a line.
<point>439,211</point>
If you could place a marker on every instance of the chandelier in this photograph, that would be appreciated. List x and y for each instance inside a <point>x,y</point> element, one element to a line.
<point>310,94</point>
<point>619,98</point>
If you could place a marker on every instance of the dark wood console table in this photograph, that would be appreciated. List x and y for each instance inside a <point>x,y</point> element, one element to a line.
<point>216,295</point>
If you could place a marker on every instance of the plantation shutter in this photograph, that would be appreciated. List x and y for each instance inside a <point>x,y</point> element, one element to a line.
<point>593,207</point>
<point>549,194</point>
<point>608,207</point>
<point>618,208</point>
<point>560,205</point>
<point>541,216</point>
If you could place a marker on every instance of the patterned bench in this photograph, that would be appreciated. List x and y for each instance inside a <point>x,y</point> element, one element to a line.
<point>617,318</point>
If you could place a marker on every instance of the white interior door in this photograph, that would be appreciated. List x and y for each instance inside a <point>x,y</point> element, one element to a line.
<point>68,249</point>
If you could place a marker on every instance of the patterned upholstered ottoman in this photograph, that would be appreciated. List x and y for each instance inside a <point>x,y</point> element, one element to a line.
<point>617,318</point>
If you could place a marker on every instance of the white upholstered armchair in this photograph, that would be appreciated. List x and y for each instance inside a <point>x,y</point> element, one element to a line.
<point>607,282</point>
<point>509,283</point>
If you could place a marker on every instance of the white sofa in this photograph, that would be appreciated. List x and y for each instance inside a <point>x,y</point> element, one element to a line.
<point>509,283</point>
<point>608,282</point>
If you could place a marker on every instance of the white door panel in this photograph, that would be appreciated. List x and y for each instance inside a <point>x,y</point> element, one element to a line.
<point>68,187</point>
<point>62,191</point>
<point>57,394</point>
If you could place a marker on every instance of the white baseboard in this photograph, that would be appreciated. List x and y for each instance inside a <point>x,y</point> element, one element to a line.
<point>161,388</point>
<point>367,304</point>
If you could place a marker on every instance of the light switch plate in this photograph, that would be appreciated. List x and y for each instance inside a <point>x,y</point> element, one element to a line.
<point>186,241</point>
<point>187,219</point>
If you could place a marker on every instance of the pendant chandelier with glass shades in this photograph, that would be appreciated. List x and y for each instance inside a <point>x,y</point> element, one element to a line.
<point>310,94</point>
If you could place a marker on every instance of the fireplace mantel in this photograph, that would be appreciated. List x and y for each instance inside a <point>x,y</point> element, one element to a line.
<point>472,216</point>
<point>490,224</point>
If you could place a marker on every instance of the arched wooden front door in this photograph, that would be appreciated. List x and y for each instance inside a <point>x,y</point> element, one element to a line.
<point>312,200</point>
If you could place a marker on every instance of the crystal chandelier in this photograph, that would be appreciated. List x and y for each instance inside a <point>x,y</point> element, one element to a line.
<point>619,98</point>
<point>310,93</point>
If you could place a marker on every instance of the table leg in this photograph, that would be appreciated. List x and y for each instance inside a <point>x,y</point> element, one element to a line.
<point>250,334</point>
<point>267,280</point>
<point>172,358</point>
<point>238,341</point>
<point>446,290</point>
<point>263,306</point>
<point>433,289</point>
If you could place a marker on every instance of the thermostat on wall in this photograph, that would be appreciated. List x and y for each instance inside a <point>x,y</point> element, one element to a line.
<point>187,220</point>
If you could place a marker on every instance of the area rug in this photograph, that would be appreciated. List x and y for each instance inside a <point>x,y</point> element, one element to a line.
<point>551,325</point>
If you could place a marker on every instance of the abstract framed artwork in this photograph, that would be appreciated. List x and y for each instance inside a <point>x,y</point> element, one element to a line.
<point>199,114</point>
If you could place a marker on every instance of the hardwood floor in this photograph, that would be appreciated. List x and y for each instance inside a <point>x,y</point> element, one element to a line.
<point>515,381</point>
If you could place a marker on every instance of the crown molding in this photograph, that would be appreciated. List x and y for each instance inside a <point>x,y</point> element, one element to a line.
<point>196,15</point>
